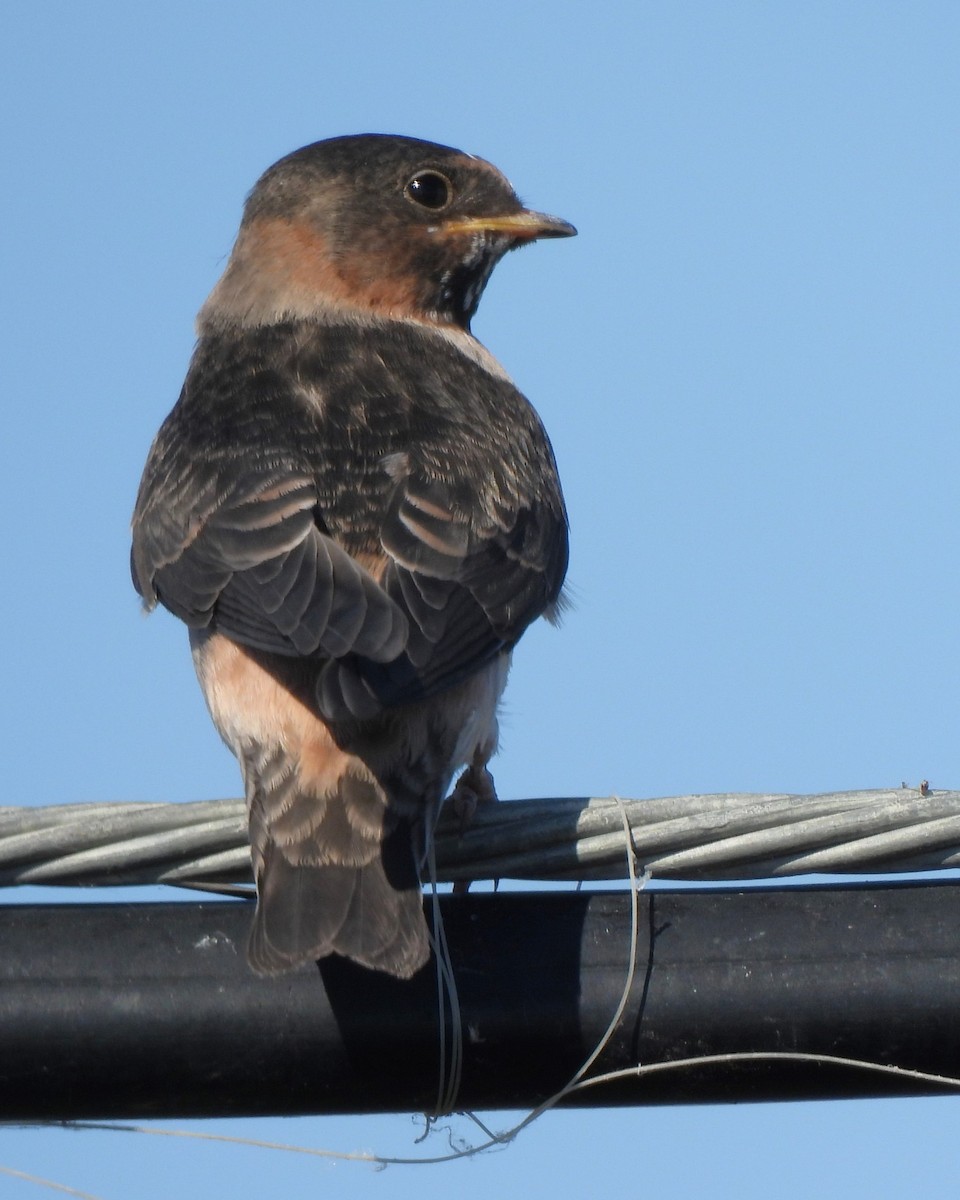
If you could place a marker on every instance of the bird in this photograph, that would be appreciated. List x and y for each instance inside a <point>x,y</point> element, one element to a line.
<point>356,514</point>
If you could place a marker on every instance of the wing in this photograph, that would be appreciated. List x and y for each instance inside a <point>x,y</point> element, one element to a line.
<point>233,540</point>
<point>467,584</point>
<point>268,493</point>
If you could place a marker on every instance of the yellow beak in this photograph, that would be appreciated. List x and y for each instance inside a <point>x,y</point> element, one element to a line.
<point>524,224</point>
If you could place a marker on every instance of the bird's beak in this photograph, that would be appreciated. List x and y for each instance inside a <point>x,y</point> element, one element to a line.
<point>525,224</point>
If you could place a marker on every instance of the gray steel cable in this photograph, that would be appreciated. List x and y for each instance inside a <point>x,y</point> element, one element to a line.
<point>681,837</point>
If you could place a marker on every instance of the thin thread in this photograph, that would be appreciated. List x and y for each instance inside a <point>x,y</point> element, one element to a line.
<point>575,1080</point>
<point>741,1056</point>
<point>196,1135</point>
<point>450,1075</point>
<point>636,1072</point>
<point>631,858</point>
<point>48,1183</point>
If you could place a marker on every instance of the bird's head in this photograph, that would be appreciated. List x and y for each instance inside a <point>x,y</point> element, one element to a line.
<point>373,223</point>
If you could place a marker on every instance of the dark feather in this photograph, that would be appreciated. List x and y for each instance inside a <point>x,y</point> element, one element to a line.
<point>294,449</point>
<point>337,874</point>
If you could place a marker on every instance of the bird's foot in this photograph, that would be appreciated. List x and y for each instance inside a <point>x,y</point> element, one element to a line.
<point>474,788</point>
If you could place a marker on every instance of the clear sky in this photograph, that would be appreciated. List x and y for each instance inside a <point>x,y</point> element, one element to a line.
<point>748,365</point>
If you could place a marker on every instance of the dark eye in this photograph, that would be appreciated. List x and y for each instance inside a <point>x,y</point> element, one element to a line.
<point>430,190</point>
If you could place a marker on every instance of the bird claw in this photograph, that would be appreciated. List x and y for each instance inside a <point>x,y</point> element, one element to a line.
<point>474,788</point>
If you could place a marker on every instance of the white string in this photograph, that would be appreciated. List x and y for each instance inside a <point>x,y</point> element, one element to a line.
<point>636,1072</point>
<point>48,1183</point>
<point>450,1075</point>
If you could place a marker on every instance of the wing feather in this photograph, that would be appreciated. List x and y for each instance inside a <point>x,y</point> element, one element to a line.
<point>261,569</point>
<point>271,494</point>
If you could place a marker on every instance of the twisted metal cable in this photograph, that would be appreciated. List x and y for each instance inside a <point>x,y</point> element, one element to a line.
<point>718,837</point>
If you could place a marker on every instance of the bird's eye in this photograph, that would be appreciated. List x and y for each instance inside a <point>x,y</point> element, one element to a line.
<point>430,190</point>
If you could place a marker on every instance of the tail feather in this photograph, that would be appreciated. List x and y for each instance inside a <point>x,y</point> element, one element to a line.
<point>334,875</point>
<point>305,912</point>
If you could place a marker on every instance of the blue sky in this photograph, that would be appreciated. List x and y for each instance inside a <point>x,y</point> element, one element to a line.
<point>748,365</point>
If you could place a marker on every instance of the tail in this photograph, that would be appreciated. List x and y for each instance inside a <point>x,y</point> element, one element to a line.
<point>335,874</point>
